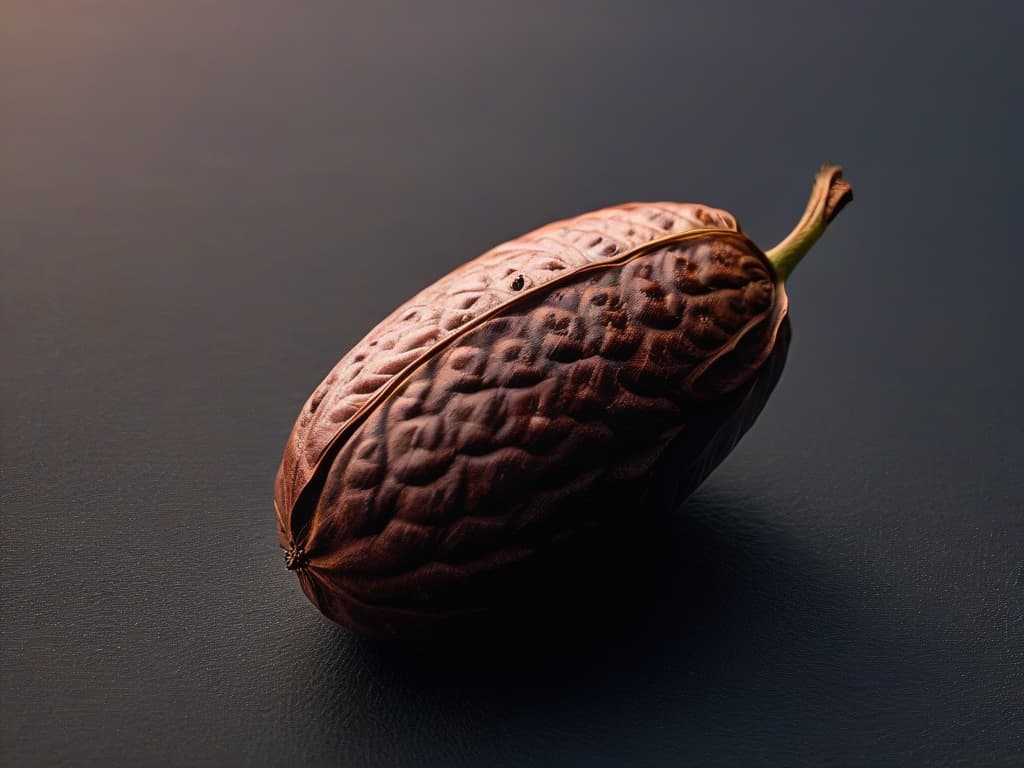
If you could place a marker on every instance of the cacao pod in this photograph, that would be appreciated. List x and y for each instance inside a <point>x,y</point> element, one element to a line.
<point>527,400</point>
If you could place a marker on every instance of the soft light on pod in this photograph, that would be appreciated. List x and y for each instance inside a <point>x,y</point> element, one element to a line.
<point>601,363</point>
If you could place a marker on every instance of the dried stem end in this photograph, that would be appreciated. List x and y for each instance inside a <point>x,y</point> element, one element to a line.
<point>829,195</point>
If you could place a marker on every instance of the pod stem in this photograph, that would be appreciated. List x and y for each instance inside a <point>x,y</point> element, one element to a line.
<point>829,195</point>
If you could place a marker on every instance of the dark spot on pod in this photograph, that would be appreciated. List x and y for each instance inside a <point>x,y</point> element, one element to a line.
<point>518,283</point>
<point>317,398</point>
<point>704,217</point>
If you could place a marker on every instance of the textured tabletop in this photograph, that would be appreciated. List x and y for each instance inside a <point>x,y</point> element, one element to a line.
<point>203,206</point>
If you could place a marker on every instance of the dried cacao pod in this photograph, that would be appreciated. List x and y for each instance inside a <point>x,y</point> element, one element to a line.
<point>521,403</point>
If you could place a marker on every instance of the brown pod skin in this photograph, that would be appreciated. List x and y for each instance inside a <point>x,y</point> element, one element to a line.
<point>519,406</point>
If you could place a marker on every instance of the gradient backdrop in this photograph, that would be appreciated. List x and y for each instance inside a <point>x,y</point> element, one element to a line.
<point>204,204</point>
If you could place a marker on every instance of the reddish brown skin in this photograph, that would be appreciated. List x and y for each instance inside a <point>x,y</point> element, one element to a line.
<point>535,397</point>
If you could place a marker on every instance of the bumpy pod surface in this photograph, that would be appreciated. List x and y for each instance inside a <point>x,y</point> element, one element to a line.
<point>515,405</point>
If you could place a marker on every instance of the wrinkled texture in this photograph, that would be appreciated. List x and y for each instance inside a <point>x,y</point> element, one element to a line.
<point>462,296</point>
<point>424,472</point>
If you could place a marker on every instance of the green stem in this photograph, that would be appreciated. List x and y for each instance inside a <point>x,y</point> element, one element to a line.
<point>829,195</point>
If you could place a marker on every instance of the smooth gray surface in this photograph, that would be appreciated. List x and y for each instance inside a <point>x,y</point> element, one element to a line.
<point>203,205</point>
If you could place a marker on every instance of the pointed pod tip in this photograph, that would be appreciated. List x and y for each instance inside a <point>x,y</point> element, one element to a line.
<point>295,559</point>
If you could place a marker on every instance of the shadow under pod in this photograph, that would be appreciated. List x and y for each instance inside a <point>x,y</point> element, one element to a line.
<point>721,622</point>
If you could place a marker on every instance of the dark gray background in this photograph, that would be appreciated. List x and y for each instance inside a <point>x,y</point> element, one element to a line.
<point>204,204</point>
